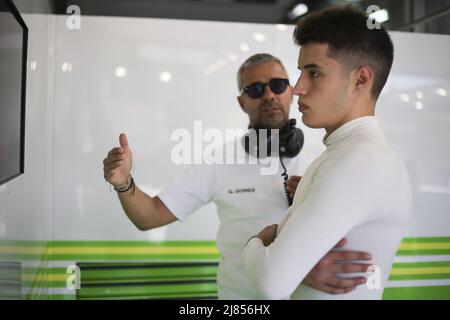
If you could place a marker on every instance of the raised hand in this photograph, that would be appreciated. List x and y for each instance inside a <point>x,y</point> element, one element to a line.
<point>117,165</point>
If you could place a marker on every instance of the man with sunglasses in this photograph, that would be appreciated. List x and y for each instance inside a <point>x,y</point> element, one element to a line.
<point>266,97</point>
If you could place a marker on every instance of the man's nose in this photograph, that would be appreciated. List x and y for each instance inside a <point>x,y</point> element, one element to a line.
<point>268,93</point>
<point>300,87</point>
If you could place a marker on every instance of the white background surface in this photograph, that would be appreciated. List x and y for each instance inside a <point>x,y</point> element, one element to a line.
<point>77,107</point>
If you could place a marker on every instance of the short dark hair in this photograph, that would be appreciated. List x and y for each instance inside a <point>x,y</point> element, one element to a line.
<point>350,41</point>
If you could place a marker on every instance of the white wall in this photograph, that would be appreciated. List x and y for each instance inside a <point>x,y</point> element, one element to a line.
<point>74,117</point>
<point>26,202</point>
<point>415,113</point>
<point>93,106</point>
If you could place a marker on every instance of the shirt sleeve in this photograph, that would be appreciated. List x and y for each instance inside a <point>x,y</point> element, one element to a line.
<point>340,197</point>
<point>194,189</point>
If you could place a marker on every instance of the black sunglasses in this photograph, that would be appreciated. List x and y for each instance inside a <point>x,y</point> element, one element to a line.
<point>256,90</point>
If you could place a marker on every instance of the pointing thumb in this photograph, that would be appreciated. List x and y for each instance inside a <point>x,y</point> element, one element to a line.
<point>123,140</point>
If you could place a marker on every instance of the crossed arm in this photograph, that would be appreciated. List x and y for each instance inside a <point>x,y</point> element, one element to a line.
<point>330,211</point>
<point>322,276</point>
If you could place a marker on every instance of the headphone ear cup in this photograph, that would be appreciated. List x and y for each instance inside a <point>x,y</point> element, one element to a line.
<point>290,143</point>
<point>293,143</point>
<point>298,140</point>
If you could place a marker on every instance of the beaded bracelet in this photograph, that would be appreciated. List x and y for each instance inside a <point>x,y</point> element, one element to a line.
<point>127,187</point>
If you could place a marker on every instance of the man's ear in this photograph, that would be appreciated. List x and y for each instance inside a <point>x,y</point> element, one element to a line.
<point>364,77</point>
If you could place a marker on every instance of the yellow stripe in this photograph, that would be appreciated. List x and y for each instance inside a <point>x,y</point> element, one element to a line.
<point>45,278</point>
<point>417,271</point>
<point>110,250</point>
<point>424,246</point>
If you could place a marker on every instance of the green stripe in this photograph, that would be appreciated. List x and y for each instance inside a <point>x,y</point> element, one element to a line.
<point>426,240</point>
<point>417,293</point>
<point>420,264</point>
<point>148,290</point>
<point>148,273</point>
<point>185,263</point>
<point>142,281</point>
<point>189,295</point>
<point>420,277</point>
<point>423,252</point>
<point>49,270</point>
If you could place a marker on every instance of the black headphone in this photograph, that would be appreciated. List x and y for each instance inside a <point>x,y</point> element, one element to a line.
<point>291,141</point>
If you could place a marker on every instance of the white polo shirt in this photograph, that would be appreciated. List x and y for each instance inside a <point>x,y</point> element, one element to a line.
<point>357,189</point>
<point>246,200</point>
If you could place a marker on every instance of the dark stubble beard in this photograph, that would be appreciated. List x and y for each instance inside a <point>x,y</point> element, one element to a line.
<point>268,122</point>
